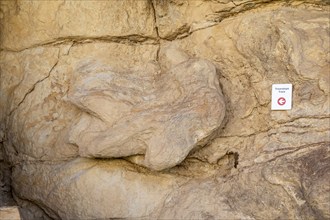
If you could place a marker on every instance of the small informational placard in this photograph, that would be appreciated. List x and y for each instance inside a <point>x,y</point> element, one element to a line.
<point>281,96</point>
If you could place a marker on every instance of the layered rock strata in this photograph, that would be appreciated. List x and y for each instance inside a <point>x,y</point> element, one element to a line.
<point>59,104</point>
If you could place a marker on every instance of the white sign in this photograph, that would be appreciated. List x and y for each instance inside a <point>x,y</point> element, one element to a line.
<point>281,96</point>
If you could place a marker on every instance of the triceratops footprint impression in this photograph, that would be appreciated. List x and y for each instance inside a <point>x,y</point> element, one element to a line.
<point>160,116</point>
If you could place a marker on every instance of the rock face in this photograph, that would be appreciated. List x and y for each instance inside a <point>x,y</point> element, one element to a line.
<point>9,213</point>
<point>162,116</point>
<point>161,109</point>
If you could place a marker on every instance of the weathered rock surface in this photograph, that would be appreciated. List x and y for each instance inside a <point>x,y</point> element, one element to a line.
<point>179,18</point>
<point>39,125</point>
<point>163,116</point>
<point>119,182</point>
<point>275,190</point>
<point>261,164</point>
<point>280,189</point>
<point>251,63</point>
<point>29,23</point>
<point>10,213</point>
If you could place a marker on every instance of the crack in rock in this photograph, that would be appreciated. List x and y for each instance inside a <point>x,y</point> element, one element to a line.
<point>34,85</point>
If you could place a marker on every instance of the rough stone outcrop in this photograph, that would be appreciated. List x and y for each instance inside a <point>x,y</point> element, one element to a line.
<point>59,103</point>
<point>163,116</point>
<point>26,24</point>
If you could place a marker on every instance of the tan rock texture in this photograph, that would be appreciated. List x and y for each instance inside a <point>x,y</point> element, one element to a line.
<point>10,213</point>
<point>163,116</point>
<point>161,109</point>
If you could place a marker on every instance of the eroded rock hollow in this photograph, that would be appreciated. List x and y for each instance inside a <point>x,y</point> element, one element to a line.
<point>162,109</point>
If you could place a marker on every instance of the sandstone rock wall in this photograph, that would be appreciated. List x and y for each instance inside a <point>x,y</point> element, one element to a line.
<point>161,109</point>
<point>9,213</point>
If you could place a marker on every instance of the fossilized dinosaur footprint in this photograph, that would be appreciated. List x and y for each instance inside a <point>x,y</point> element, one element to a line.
<point>161,116</point>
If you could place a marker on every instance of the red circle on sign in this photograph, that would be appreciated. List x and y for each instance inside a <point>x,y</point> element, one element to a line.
<point>281,101</point>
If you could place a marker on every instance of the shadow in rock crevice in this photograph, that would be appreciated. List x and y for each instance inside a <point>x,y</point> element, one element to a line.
<point>6,198</point>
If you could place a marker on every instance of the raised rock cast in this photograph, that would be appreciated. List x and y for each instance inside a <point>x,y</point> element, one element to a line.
<point>159,116</point>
